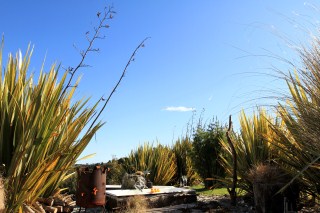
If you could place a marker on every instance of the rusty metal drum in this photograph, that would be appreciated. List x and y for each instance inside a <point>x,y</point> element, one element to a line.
<point>91,187</point>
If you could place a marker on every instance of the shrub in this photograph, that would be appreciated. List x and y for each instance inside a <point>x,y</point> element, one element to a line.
<point>206,150</point>
<point>114,176</point>
<point>267,180</point>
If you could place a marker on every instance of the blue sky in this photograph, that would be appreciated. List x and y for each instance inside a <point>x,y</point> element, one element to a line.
<point>202,55</point>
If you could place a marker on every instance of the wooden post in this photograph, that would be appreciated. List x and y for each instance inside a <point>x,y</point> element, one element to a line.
<point>232,191</point>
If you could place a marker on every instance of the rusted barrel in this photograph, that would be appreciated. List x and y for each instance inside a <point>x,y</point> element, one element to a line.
<point>91,187</point>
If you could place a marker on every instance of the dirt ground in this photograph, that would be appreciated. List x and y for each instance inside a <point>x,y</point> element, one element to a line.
<point>203,204</point>
<point>208,204</point>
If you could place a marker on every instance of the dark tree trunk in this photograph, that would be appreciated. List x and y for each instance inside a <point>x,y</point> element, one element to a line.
<point>232,191</point>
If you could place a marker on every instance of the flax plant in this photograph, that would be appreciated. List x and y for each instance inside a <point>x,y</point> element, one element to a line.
<point>40,130</point>
<point>301,117</point>
<point>158,160</point>
<point>182,149</point>
<point>253,146</point>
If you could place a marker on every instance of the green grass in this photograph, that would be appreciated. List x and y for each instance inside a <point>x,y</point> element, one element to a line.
<point>200,189</point>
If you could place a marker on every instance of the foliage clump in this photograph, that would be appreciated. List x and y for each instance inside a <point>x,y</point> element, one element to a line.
<point>116,171</point>
<point>40,130</point>
<point>206,150</point>
<point>182,149</point>
<point>159,161</point>
<point>300,114</point>
<point>254,146</point>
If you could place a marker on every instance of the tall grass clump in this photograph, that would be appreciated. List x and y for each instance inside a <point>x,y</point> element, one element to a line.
<point>159,160</point>
<point>253,147</point>
<point>136,204</point>
<point>40,130</point>
<point>267,180</point>
<point>183,154</point>
<point>301,116</point>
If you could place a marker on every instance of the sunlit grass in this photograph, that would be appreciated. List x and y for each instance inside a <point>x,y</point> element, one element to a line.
<point>200,189</point>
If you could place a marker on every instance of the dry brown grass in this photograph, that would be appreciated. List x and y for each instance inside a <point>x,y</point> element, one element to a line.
<point>265,173</point>
<point>136,204</point>
<point>2,196</point>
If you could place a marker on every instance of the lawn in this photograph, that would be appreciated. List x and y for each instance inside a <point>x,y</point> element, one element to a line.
<point>200,189</point>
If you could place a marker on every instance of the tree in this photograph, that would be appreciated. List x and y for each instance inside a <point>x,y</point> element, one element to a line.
<point>206,150</point>
<point>114,176</point>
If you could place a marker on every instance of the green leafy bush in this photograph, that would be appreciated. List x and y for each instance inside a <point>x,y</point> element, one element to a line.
<point>116,171</point>
<point>206,150</point>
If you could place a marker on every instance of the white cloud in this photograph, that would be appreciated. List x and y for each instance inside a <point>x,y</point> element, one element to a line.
<point>179,109</point>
